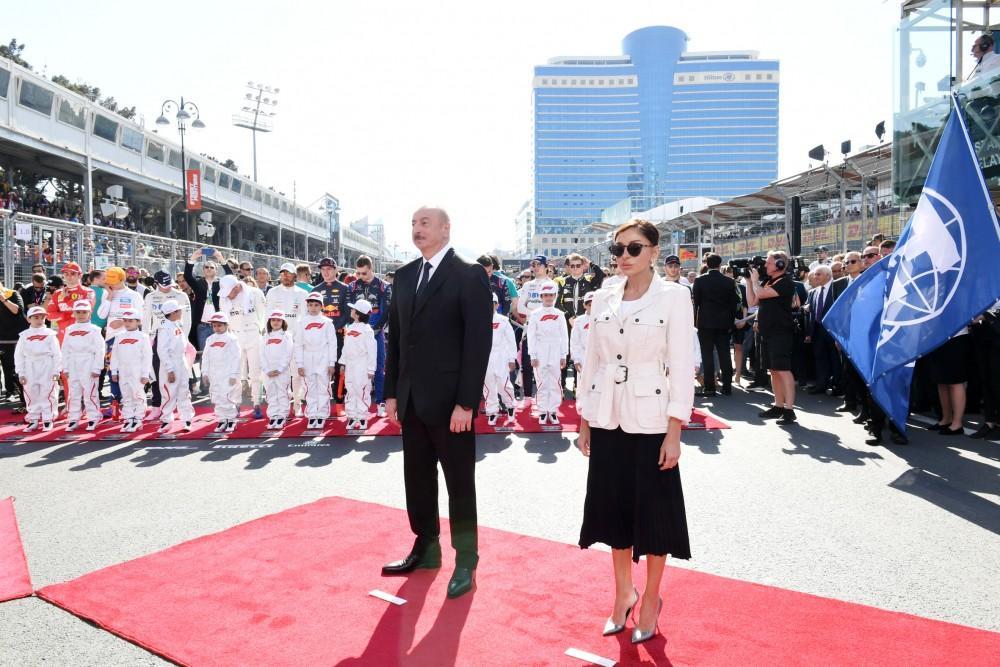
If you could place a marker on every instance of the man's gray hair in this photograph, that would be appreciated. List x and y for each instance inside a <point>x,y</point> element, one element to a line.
<point>823,269</point>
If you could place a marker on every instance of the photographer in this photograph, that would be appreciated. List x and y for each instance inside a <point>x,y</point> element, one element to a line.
<point>776,298</point>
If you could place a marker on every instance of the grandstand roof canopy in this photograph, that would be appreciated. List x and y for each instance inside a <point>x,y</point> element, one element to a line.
<point>811,184</point>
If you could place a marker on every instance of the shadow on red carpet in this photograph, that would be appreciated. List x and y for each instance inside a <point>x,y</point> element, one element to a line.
<point>292,589</point>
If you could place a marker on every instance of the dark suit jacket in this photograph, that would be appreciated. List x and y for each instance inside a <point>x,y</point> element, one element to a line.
<point>813,324</point>
<point>716,301</point>
<point>838,286</point>
<point>439,343</point>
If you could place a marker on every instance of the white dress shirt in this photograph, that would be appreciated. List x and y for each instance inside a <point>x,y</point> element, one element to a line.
<point>435,261</point>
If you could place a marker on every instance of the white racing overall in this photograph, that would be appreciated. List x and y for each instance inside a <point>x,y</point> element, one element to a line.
<point>276,354</point>
<point>131,360</point>
<point>358,357</point>
<point>83,360</point>
<point>220,363</point>
<point>37,359</point>
<point>504,352</point>
<point>548,342</point>
<point>170,346</point>
<point>316,352</point>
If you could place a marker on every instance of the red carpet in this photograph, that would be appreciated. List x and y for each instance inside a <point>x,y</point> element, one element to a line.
<point>15,582</point>
<point>292,589</point>
<point>11,427</point>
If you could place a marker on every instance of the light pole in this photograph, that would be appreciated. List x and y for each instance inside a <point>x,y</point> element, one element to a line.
<point>183,112</point>
<point>253,117</point>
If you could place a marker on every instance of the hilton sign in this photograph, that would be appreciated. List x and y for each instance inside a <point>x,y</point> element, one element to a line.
<point>727,76</point>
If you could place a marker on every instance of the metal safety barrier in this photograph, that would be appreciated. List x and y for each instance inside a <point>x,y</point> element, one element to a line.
<point>28,240</point>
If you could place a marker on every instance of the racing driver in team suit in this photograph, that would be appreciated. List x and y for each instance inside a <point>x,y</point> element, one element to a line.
<point>336,296</point>
<point>369,287</point>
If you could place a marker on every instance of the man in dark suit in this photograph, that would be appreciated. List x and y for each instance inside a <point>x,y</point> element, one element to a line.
<point>851,382</point>
<point>440,336</point>
<point>716,304</point>
<point>825,353</point>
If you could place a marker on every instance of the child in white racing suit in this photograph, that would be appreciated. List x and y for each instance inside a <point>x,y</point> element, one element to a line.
<point>276,354</point>
<point>37,361</point>
<point>220,366</point>
<point>548,344</point>
<point>316,358</point>
<point>502,358</point>
<point>358,359</point>
<point>83,351</point>
<point>171,345</point>
<point>131,367</point>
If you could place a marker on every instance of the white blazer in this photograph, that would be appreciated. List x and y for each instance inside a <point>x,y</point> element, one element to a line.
<point>639,370</point>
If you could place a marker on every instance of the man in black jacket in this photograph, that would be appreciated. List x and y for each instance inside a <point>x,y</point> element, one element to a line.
<point>440,324</point>
<point>12,323</point>
<point>206,295</point>
<point>716,304</point>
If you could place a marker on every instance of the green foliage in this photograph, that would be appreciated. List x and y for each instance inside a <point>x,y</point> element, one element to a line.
<point>12,51</point>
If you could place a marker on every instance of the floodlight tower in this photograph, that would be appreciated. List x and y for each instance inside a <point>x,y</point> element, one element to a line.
<point>257,112</point>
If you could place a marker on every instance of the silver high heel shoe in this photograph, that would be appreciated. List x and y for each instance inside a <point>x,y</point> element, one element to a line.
<point>612,628</point>
<point>640,636</point>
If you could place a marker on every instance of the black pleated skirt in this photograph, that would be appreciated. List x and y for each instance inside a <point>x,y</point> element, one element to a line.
<point>630,502</point>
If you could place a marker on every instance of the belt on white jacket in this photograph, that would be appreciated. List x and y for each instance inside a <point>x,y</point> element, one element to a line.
<point>609,375</point>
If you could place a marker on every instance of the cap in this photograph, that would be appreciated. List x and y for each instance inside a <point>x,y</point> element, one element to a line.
<point>56,281</point>
<point>672,259</point>
<point>541,259</point>
<point>276,315</point>
<point>361,305</point>
<point>219,316</point>
<point>71,266</point>
<point>314,296</point>
<point>130,315</point>
<point>588,297</point>
<point>114,276</point>
<point>821,248</point>
<point>169,306</point>
<point>227,283</point>
<point>495,299</point>
<point>287,266</point>
<point>35,310</point>
<point>327,261</point>
<point>82,305</point>
<point>163,278</point>
<point>548,287</point>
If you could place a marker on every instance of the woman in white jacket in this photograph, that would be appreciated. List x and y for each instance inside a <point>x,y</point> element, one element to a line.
<point>276,354</point>
<point>630,427</point>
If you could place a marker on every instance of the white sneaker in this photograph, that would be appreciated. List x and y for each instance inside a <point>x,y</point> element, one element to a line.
<point>553,419</point>
<point>92,426</point>
<point>352,425</point>
<point>164,427</point>
<point>380,411</point>
<point>187,427</point>
<point>31,426</point>
<point>363,425</point>
<point>70,427</point>
<point>543,418</point>
<point>230,426</point>
<point>279,423</point>
<point>47,426</point>
<point>491,420</point>
<point>153,414</point>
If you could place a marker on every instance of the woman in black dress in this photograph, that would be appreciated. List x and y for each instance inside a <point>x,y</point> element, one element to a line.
<point>635,394</point>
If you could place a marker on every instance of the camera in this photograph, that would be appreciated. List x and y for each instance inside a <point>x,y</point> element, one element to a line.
<point>742,266</point>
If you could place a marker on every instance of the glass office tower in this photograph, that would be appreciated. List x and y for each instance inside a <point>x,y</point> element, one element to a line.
<point>656,124</point>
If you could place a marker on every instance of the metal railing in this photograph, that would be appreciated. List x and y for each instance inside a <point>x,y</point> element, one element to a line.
<point>33,239</point>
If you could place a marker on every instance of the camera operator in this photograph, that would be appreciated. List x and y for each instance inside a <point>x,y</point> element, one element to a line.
<point>776,297</point>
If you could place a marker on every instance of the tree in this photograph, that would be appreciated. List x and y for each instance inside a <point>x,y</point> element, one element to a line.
<point>229,164</point>
<point>13,51</point>
<point>93,93</point>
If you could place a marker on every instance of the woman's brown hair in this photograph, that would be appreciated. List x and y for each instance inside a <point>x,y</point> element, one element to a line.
<point>644,227</point>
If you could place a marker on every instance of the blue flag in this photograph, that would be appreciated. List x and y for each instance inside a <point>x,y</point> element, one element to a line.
<point>939,277</point>
<point>943,272</point>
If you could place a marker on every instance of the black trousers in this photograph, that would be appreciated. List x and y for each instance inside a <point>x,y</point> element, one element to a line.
<point>527,373</point>
<point>424,446</point>
<point>11,382</point>
<point>157,399</point>
<point>828,370</point>
<point>852,383</point>
<point>987,348</point>
<point>711,341</point>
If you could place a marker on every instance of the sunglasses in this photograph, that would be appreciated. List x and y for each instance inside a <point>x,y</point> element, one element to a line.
<point>576,266</point>
<point>870,255</point>
<point>634,248</point>
<point>852,261</point>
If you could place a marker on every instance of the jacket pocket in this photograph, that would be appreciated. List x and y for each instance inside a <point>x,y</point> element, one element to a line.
<point>650,394</point>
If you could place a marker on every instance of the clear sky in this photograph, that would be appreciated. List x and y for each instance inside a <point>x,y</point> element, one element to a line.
<point>390,104</point>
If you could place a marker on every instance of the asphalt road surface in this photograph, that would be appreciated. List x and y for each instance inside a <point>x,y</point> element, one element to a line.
<point>809,507</point>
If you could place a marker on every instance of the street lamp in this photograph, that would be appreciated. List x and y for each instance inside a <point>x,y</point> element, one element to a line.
<point>183,113</point>
<point>255,118</point>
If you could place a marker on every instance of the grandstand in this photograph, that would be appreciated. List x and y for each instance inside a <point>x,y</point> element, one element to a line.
<point>53,133</point>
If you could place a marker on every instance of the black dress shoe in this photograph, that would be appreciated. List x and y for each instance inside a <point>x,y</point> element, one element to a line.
<point>936,427</point>
<point>429,559</point>
<point>461,582</point>
<point>946,430</point>
<point>899,439</point>
<point>727,391</point>
<point>862,418</point>
<point>876,439</point>
<point>846,407</point>
<point>774,412</point>
<point>986,432</point>
<point>706,393</point>
<point>787,417</point>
